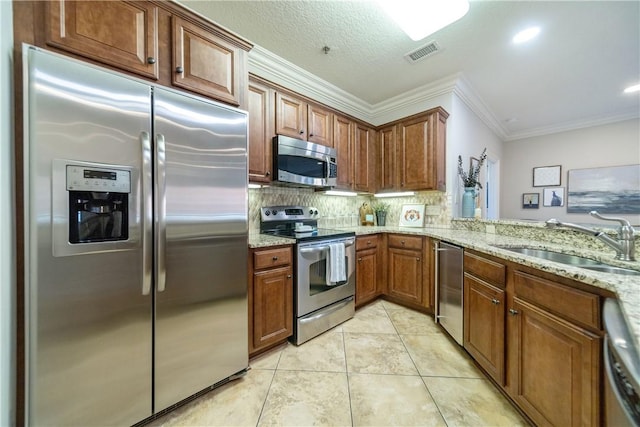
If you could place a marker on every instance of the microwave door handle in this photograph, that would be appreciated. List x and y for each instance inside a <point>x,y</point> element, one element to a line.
<point>327,165</point>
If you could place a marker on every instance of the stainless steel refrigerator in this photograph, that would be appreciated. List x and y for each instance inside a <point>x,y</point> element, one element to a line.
<point>135,244</point>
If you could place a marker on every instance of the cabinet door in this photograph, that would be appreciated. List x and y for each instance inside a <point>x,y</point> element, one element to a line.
<point>363,158</point>
<point>291,116</point>
<point>261,132</point>
<point>272,306</point>
<point>320,125</point>
<point>387,158</point>
<point>366,275</point>
<point>405,275</point>
<point>554,368</point>
<point>415,155</point>
<point>343,143</point>
<point>121,34</point>
<point>484,325</point>
<point>205,64</point>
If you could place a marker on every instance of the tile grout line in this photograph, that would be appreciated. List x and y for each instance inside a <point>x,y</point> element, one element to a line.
<point>346,371</point>
<point>269,389</point>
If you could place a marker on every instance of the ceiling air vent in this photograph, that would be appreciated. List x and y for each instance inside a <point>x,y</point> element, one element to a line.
<point>422,52</point>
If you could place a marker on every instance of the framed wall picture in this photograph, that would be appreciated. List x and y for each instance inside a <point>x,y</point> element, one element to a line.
<point>546,176</point>
<point>530,200</point>
<point>553,196</point>
<point>608,190</point>
<point>412,216</point>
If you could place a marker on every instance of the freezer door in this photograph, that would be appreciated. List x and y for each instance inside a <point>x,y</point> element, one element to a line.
<point>88,322</point>
<point>201,333</point>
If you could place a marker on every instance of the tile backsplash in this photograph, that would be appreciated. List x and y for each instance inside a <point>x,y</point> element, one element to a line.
<point>340,211</point>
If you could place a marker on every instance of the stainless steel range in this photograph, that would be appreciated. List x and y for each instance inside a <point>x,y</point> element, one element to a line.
<point>324,269</point>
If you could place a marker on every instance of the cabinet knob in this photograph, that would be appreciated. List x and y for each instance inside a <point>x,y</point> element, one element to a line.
<point>495,301</point>
<point>275,258</point>
<point>359,259</point>
<point>513,312</point>
<point>417,259</point>
<point>288,276</point>
<point>301,131</point>
<point>368,242</point>
<point>402,242</point>
<point>267,173</point>
<point>179,70</point>
<point>310,134</point>
<point>151,60</point>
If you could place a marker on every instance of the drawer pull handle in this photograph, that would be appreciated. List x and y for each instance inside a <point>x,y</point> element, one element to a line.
<point>513,312</point>
<point>495,301</point>
<point>275,258</point>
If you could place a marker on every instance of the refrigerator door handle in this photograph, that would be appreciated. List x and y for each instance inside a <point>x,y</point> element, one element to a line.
<point>161,211</point>
<point>147,213</point>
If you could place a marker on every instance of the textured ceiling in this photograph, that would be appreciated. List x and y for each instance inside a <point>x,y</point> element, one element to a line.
<point>572,74</point>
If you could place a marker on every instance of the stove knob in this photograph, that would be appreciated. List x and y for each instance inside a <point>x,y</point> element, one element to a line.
<point>310,211</point>
<point>274,212</point>
<point>315,212</point>
<point>267,213</point>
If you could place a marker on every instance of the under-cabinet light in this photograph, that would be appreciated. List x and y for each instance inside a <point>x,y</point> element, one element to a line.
<point>401,194</point>
<point>421,18</point>
<point>255,186</point>
<point>340,193</point>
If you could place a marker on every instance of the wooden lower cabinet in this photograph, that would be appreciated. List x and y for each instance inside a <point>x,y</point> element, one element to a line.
<point>484,325</point>
<point>554,368</point>
<point>404,276</point>
<point>270,298</point>
<point>368,269</point>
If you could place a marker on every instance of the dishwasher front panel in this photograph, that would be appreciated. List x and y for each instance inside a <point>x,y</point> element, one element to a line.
<point>449,283</point>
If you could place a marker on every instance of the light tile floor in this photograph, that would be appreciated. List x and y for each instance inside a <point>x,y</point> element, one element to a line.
<point>388,366</point>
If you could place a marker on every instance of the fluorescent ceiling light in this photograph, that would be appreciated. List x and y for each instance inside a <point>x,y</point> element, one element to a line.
<point>526,35</point>
<point>420,18</point>
<point>340,193</point>
<point>631,89</point>
<point>402,194</point>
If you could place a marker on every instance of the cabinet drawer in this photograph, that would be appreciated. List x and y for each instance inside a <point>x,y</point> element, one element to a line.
<point>366,242</point>
<point>486,269</point>
<point>271,258</point>
<point>570,303</point>
<point>406,242</point>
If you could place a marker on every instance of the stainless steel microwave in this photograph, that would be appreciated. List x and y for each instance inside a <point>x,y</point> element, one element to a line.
<point>303,163</point>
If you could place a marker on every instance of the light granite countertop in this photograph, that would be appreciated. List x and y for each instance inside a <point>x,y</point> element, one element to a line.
<point>627,288</point>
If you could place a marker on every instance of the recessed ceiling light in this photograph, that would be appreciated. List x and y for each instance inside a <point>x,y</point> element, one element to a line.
<point>631,89</point>
<point>526,35</point>
<point>421,18</point>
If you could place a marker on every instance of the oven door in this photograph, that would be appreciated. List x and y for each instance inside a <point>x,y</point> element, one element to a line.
<point>312,291</point>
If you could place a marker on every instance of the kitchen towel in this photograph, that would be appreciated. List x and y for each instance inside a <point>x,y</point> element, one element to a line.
<point>335,264</point>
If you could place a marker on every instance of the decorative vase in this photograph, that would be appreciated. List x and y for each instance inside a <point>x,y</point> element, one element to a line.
<point>381,217</point>
<point>468,202</point>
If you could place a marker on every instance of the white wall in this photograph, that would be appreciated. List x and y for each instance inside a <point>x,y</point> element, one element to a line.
<point>7,275</point>
<point>467,136</point>
<point>614,144</point>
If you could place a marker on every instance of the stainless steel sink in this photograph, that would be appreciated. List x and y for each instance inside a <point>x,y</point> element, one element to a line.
<point>573,260</point>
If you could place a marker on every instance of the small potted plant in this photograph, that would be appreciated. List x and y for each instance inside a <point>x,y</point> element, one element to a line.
<point>380,209</point>
<point>470,181</point>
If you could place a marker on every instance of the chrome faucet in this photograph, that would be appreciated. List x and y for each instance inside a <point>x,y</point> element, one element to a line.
<point>624,246</point>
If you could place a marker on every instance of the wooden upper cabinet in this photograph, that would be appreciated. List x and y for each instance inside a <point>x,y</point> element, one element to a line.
<point>343,143</point>
<point>415,157</point>
<point>121,34</point>
<point>260,132</point>
<point>291,116</point>
<point>204,63</point>
<point>386,158</point>
<point>320,125</point>
<point>363,158</point>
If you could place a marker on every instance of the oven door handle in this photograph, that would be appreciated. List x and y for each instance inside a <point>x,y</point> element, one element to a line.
<point>317,249</point>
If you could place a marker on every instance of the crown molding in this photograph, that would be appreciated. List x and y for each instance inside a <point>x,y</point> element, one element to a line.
<point>471,99</point>
<point>278,70</point>
<point>573,125</point>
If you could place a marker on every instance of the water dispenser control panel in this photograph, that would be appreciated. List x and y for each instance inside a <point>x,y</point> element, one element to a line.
<point>81,178</point>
